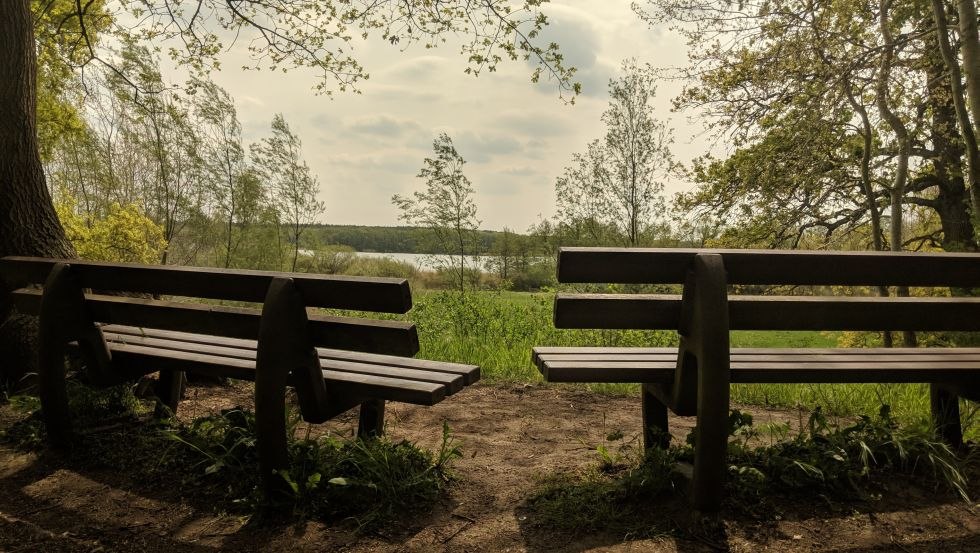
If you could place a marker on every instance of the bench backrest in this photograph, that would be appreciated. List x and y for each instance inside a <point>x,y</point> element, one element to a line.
<point>385,295</point>
<point>772,267</point>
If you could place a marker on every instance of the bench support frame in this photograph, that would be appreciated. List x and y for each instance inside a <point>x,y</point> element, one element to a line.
<point>64,318</point>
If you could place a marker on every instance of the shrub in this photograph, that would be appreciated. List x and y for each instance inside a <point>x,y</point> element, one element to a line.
<point>124,233</point>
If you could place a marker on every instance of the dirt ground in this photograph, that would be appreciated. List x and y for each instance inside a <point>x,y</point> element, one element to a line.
<point>512,436</point>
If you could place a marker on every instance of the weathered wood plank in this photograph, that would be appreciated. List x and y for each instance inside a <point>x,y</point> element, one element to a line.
<point>765,373</point>
<point>670,265</point>
<point>846,355</point>
<point>148,359</point>
<point>470,373</point>
<point>638,311</point>
<point>387,295</point>
<point>557,371</point>
<point>561,350</point>
<point>453,382</point>
<point>369,335</point>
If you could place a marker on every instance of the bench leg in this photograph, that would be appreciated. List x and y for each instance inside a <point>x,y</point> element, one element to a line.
<point>946,415</point>
<point>58,321</point>
<point>371,422</point>
<point>656,433</point>
<point>169,390</point>
<point>51,388</point>
<point>711,445</point>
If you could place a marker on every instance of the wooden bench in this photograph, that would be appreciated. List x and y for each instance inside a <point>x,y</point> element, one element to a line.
<point>333,363</point>
<point>694,378</point>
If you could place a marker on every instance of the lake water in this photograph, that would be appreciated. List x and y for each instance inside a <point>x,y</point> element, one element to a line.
<point>419,260</point>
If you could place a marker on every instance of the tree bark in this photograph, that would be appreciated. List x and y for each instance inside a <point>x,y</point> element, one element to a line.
<point>951,203</point>
<point>28,222</point>
<point>959,102</point>
<point>970,40</point>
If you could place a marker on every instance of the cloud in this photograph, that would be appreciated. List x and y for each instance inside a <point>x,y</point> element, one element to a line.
<point>383,125</point>
<point>578,38</point>
<point>396,163</point>
<point>533,124</point>
<point>418,68</point>
<point>480,147</point>
<point>520,171</point>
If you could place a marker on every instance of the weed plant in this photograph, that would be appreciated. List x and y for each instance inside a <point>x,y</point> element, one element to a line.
<point>368,481</point>
<point>860,461</point>
<point>854,460</point>
<point>90,407</point>
<point>214,459</point>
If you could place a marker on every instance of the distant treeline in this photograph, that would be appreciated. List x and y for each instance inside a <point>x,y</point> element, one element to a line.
<point>389,239</point>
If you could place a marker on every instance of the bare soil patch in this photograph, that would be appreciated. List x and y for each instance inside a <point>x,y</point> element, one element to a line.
<point>512,436</point>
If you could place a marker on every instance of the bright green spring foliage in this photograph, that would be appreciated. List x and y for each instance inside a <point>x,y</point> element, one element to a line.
<point>124,233</point>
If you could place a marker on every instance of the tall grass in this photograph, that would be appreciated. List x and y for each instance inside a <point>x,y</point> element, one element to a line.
<point>496,330</point>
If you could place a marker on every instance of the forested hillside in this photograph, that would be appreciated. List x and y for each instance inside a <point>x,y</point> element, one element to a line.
<point>401,239</point>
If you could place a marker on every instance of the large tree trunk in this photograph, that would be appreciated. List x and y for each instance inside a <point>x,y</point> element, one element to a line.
<point>970,40</point>
<point>28,222</point>
<point>951,202</point>
<point>959,101</point>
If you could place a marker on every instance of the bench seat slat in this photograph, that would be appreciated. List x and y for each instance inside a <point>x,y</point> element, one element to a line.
<point>777,365</point>
<point>548,350</point>
<point>469,373</point>
<point>358,385</point>
<point>454,383</point>
<point>775,357</point>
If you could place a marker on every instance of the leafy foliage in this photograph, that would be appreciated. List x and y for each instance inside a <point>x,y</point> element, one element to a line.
<point>318,33</point>
<point>614,190</point>
<point>834,462</point>
<point>124,234</point>
<point>842,460</point>
<point>370,480</point>
<point>446,208</point>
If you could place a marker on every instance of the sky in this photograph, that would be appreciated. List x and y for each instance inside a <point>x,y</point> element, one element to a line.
<point>516,137</point>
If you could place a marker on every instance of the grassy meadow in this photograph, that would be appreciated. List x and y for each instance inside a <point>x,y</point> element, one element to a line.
<point>497,330</point>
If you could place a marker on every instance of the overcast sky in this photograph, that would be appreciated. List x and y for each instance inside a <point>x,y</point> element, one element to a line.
<point>515,136</point>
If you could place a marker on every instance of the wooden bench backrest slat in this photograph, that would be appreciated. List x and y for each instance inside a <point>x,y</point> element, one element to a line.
<point>639,311</point>
<point>670,266</point>
<point>367,335</point>
<point>384,295</point>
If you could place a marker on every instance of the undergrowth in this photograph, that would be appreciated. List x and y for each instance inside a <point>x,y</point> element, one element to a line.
<point>854,461</point>
<point>862,461</point>
<point>366,480</point>
<point>213,460</point>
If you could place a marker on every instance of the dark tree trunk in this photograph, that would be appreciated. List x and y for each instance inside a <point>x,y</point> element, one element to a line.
<point>28,223</point>
<point>952,201</point>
